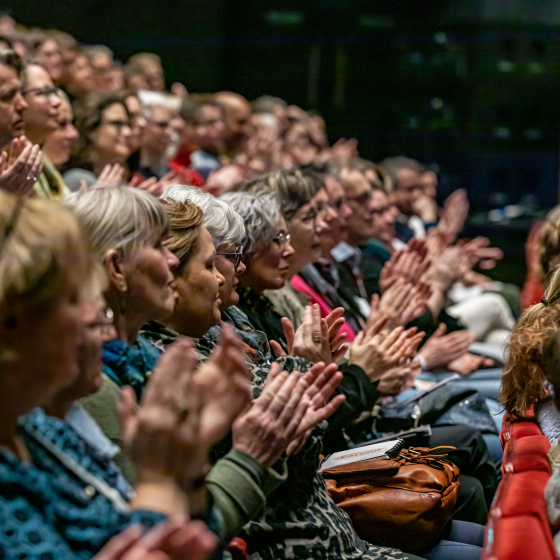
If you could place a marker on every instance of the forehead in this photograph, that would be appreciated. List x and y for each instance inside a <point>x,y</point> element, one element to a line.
<point>160,113</point>
<point>321,196</point>
<point>354,182</point>
<point>378,199</point>
<point>133,104</point>
<point>282,224</point>
<point>37,77</point>
<point>50,45</point>
<point>408,179</point>
<point>205,244</point>
<point>115,111</point>
<point>208,112</point>
<point>65,110</point>
<point>334,188</point>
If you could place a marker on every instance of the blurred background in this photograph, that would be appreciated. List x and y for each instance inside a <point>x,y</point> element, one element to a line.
<point>467,86</point>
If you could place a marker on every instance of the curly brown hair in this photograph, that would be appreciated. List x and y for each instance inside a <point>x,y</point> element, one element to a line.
<point>548,243</point>
<point>526,366</point>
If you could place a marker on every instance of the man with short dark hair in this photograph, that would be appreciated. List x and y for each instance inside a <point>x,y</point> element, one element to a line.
<point>204,127</point>
<point>21,164</point>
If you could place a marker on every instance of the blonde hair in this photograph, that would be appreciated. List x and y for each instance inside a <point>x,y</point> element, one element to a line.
<point>43,250</point>
<point>185,219</point>
<point>122,218</point>
<point>526,368</point>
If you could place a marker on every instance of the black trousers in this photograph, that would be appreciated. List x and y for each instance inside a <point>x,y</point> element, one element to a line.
<point>478,478</point>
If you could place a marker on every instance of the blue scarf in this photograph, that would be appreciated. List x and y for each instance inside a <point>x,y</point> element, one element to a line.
<point>130,365</point>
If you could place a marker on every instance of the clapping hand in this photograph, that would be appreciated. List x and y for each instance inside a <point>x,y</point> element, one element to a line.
<point>170,540</point>
<point>20,167</point>
<point>312,340</point>
<point>289,406</point>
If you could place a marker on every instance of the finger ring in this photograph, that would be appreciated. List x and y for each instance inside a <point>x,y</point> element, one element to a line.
<point>32,178</point>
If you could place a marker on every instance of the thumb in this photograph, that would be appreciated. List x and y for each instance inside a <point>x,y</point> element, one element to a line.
<point>277,349</point>
<point>440,331</point>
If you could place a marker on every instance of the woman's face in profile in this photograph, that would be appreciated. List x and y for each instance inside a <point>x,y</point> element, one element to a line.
<point>269,266</point>
<point>150,281</point>
<point>198,286</point>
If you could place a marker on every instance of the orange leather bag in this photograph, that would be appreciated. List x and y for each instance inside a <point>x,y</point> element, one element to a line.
<point>403,502</point>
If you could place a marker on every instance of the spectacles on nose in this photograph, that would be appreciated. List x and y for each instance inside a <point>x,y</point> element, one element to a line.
<point>310,216</point>
<point>337,204</point>
<point>119,125</point>
<point>282,239</point>
<point>46,92</point>
<point>234,258</point>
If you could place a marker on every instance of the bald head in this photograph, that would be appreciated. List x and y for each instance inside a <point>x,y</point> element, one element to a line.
<point>237,113</point>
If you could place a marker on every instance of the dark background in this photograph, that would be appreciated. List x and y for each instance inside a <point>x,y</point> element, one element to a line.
<point>470,85</point>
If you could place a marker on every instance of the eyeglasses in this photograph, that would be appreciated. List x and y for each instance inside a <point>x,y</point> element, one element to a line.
<point>119,125</point>
<point>46,92</point>
<point>337,204</point>
<point>162,125</point>
<point>310,216</point>
<point>210,122</point>
<point>235,257</point>
<point>361,199</point>
<point>282,239</point>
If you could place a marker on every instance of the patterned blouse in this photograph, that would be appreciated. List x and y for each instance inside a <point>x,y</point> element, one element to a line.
<point>300,520</point>
<point>62,505</point>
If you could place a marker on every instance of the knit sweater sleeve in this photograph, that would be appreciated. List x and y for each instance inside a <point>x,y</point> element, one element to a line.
<point>239,486</point>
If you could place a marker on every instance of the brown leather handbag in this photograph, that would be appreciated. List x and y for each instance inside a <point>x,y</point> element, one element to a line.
<point>403,502</point>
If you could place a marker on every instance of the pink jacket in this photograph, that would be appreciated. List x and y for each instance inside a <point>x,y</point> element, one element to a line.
<point>299,285</point>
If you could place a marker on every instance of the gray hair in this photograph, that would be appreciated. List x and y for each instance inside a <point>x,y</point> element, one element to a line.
<point>291,186</point>
<point>220,219</point>
<point>122,218</point>
<point>260,213</point>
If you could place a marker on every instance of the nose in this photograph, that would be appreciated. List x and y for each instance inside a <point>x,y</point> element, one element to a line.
<point>346,210</point>
<point>20,103</point>
<point>171,260</point>
<point>140,122</point>
<point>55,101</point>
<point>287,251</point>
<point>241,268</point>
<point>330,214</point>
<point>72,133</point>
<point>320,225</point>
<point>219,277</point>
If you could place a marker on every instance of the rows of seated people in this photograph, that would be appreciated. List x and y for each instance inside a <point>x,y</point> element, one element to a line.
<point>200,295</point>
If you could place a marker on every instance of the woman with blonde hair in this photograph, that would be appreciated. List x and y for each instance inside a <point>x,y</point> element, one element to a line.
<point>47,480</point>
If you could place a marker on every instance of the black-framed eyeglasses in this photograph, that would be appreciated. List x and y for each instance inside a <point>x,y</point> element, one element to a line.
<point>118,124</point>
<point>235,257</point>
<point>46,92</point>
<point>282,239</point>
<point>337,204</point>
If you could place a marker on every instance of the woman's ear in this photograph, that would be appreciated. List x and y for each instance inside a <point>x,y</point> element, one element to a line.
<point>114,266</point>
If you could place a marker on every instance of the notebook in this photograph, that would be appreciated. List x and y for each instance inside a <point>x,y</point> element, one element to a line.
<point>385,449</point>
